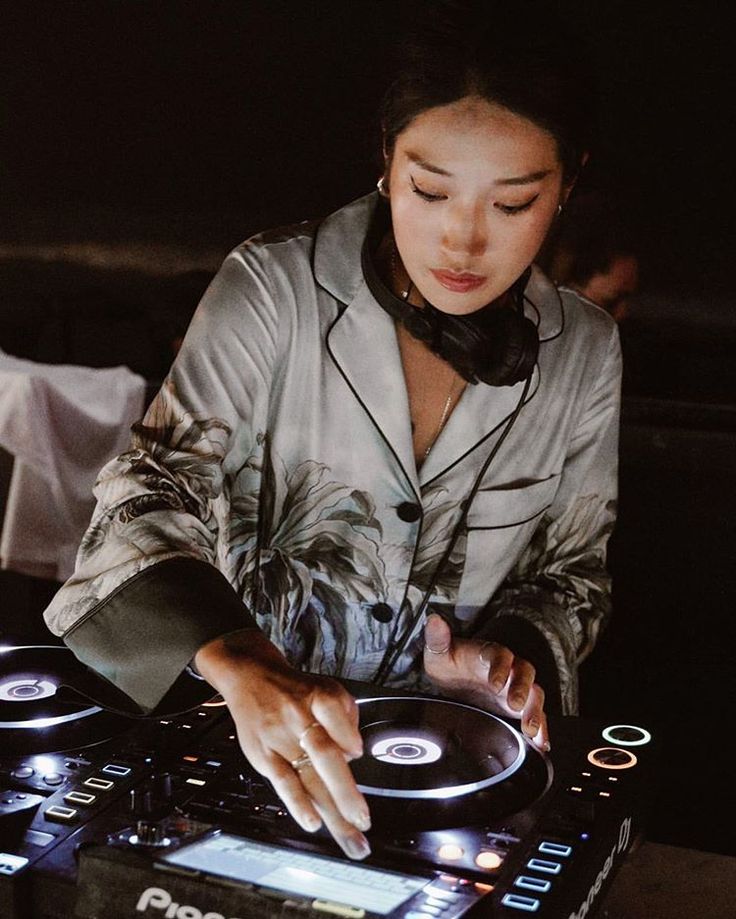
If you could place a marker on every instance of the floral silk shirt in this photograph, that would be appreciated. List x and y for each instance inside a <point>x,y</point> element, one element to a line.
<point>272,482</point>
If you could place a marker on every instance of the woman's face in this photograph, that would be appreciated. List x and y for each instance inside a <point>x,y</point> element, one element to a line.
<point>474,189</point>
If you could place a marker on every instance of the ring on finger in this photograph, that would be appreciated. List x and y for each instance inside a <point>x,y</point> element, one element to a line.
<point>301,762</point>
<point>307,729</point>
<point>486,663</point>
<point>440,651</point>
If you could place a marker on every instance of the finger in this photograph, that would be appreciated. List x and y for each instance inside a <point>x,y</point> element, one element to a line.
<point>329,763</point>
<point>437,635</point>
<point>351,840</point>
<point>522,680</point>
<point>498,659</point>
<point>288,786</point>
<point>337,712</point>
<point>534,719</point>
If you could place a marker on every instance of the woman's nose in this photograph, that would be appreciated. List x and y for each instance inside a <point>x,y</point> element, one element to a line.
<point>465,231</point>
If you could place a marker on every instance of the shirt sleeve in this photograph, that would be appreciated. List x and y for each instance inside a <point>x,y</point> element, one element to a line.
<point>554,602</point>
<point>146,593</point>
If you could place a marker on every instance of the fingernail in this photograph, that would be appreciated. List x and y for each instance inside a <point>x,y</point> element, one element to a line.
<point>497,685</point>
<point>517,700</point>
<point>533,726</point>
<point>311,824</point>
<point>362,820</point>
<point>357,847</point>
<point>546,746</point>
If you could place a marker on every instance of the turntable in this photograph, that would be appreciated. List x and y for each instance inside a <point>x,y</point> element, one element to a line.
<point>107,815</point>
<point>39,712</point>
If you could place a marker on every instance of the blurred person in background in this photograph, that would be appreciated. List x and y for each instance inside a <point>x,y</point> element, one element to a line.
<point>593,252</point>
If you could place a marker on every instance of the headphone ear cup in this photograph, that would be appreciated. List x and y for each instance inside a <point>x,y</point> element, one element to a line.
<point>516,354</point>
<point>498,346</point>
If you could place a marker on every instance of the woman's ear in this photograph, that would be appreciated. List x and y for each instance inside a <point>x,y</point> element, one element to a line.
<point>383,182</point>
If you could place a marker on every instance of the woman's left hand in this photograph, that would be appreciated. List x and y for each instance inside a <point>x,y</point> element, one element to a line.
<point>487,675</point>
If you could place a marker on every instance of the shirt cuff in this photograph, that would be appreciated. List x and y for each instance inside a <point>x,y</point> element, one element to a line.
<point>145,634</point>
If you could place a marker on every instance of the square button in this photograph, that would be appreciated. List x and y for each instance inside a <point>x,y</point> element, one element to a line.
<point>555,848</point>
<point>115,769</point>
<point>516,901</point>
<point>80,797</point>
<point>546,867</point>
<point>99,784</point>
<point>60,814</point>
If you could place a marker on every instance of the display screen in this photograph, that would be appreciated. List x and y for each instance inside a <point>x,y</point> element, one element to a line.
<point>314,877</point>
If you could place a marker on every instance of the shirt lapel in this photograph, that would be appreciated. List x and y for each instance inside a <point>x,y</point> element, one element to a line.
<point>362,343</point>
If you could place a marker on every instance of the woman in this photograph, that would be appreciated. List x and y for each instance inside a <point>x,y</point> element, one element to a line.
<point>386,449</point>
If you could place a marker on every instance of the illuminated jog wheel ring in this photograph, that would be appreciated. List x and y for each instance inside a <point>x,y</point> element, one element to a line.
<point>626,735</point>
<point>612,758</point>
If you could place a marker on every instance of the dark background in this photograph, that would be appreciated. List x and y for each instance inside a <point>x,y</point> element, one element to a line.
<point>209,120</point>
<point>153,136</point>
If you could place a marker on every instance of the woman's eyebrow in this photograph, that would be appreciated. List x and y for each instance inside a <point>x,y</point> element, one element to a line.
<point>423,164</point>
<point>527,179</point>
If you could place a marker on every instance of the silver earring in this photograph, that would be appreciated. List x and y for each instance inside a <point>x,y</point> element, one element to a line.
<point>559,209</point>
<point>381,186</point>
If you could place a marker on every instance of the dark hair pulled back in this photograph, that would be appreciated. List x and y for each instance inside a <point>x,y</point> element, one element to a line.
<point>514,53</point>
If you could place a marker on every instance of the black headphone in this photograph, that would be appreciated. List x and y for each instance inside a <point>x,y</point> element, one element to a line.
<point>496,344</point>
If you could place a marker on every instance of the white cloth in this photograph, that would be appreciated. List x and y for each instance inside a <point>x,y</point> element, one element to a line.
<point>61,424</point>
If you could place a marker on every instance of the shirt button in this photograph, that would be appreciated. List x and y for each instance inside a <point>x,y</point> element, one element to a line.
<point>382,612</point>
<point>409,512</point>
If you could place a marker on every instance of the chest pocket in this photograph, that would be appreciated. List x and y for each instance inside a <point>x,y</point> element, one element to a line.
<point>500,524</point>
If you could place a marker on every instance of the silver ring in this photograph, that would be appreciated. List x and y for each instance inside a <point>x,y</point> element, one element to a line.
<point>300,762</point>
<point>482,659</point>
<point>443,651</point>
<point>307,729</point>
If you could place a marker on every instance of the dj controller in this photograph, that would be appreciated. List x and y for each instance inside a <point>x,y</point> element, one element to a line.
<point>104,816</point>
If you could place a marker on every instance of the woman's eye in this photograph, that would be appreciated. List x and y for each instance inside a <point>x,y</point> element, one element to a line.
<point>511,209</point>
<point>426,195</point>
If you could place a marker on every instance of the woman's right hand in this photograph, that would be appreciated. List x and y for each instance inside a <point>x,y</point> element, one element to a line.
<point>280,716</point>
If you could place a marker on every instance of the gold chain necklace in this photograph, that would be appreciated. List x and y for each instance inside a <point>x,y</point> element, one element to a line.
<point>443,418</point>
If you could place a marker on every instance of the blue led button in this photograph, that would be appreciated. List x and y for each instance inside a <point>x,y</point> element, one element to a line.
<point>555,848</point>
<point>516,901</point>
<point>546,867</point>
<point>529,883</point>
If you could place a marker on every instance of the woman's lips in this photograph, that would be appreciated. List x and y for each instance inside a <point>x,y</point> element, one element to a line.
<point>459,283</point>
